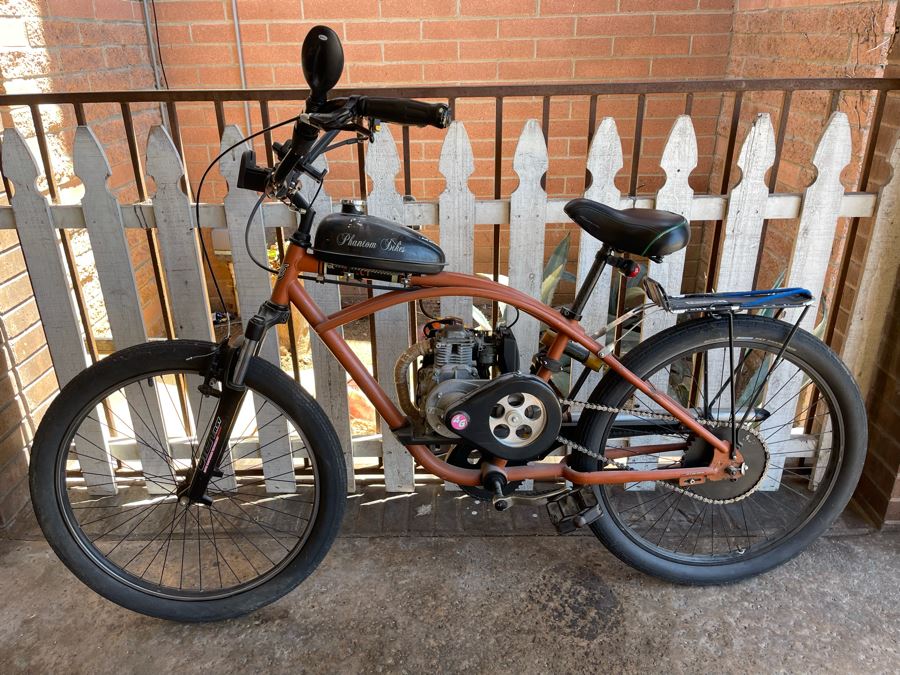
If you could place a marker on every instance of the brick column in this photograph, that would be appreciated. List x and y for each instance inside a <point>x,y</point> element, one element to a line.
<point>876,356</point>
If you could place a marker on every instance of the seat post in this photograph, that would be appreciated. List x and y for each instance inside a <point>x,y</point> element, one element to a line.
<point>587,287</point>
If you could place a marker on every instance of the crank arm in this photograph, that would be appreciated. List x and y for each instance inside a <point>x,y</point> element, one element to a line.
<point>504,502</point>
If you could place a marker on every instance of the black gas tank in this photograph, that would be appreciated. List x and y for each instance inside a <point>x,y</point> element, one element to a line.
<point>359,242</point>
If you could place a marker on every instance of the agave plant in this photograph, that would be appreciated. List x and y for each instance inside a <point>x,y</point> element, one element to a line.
<point>554,272</point>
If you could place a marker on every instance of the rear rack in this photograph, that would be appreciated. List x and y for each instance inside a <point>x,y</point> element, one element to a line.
<point>733,302</point>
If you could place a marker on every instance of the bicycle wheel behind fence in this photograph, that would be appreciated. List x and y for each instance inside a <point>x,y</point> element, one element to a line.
<point>123,436</point>
<point>800,425</point>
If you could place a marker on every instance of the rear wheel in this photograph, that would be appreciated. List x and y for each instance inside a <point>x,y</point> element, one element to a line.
<point>121,438</point>
<point>803,440</point>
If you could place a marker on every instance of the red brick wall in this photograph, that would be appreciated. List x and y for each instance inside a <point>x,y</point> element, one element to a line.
<point>813,38</point>
<point>71,45</point>
<point>61,45</point>
<point>468,43</point>
<point>26,376</point>
<point>878,493</point>
<point>447,42</point>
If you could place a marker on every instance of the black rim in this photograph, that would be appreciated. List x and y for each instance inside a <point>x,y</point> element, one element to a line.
<point>246,537</point>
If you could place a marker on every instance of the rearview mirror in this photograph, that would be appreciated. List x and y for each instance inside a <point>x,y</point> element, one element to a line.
<point>323,62</point>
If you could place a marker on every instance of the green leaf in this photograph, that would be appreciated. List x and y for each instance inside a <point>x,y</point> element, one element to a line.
<point>819,330</point>
<point>480,318</point>
<point>755,381</point>
<point>634,297</point>
<point>549,284</point>
<point>554,269</point>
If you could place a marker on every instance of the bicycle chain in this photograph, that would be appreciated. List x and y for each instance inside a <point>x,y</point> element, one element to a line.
<point>572,445</point>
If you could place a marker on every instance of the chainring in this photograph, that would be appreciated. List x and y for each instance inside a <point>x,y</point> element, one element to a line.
<point>756,459</point>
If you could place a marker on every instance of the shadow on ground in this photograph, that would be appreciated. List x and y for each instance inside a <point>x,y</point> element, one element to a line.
<point>440,601</point>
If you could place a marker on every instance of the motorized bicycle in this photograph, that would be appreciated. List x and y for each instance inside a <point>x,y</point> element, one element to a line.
<point>723,476</point>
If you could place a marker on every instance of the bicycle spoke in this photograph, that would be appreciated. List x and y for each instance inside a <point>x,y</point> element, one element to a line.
<point>716,530</point>
<point>248,531</point>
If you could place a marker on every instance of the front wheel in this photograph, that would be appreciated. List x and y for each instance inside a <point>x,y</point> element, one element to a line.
<point>122,438</point>
<point>803,439</point>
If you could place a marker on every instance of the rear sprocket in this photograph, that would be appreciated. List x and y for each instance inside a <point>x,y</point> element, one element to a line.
<point>756,463</point>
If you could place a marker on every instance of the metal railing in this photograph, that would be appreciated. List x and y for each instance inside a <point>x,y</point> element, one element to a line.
<point>738,90</point>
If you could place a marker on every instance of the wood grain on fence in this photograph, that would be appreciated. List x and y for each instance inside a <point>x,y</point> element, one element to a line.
<point>391,325</point>
<point>456,207</point>
<point>253,287</point>
<point>103,219</point>
<point>742,232</point>
<point>527,219</point>
<point>329,376</point>
<point>180,248</point>
<point>808,267</point>
<point>456,212</point>
<point>676,195</point>
<point>50,284</point>
<point>604,161</point>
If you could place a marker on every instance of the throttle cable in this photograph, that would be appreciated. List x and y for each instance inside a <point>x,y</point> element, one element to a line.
<point>206,257</point>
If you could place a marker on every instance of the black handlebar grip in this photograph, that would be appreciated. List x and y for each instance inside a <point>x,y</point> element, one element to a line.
<point>406,111</point>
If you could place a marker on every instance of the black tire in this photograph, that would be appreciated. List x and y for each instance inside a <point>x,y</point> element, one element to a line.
<point>50,496</point>
<point>848,417</point>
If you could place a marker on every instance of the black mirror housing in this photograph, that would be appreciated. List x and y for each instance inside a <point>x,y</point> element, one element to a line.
<point>322,58</point>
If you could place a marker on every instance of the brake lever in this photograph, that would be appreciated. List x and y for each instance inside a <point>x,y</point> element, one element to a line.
<point>339,119</point>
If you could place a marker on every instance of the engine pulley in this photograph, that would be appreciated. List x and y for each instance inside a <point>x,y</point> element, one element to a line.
<point>514,416</point>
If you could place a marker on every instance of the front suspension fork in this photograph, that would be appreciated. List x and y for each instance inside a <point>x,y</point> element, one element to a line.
<point>232,375</point>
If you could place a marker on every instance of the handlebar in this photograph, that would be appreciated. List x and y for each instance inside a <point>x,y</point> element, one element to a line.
<point>343,113</point>
<point>334,116</point>
<point>405,111</point>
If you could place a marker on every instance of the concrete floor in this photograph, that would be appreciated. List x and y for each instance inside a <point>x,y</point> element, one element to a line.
<point>526,601</point>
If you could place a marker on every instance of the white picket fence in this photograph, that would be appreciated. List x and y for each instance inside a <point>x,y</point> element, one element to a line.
<point>456,212</point>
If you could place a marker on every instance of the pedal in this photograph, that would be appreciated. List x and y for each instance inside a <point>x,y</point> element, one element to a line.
<point>574,510</point>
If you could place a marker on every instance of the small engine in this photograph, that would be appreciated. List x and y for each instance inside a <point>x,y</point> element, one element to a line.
<point>469,388</point>
<point>455,361</point>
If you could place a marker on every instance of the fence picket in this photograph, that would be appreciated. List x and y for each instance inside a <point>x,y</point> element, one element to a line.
<point>329,375</point>
<point>527,218</point>
<point>678,161</point>
<point>103,220</point>
<point>743,229</point>
<point>809,265</point>
<point>679,158</point>
<point>62,328</point>
<point>457,214</point>
<point>392,324</point>
<point>184,275</point>
<point>604,161</point>
<point>253,288</point>
<point>876,286</point>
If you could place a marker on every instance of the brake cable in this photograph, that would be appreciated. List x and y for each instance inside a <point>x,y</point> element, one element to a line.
<point>206,258</point>
<point>250,218</point>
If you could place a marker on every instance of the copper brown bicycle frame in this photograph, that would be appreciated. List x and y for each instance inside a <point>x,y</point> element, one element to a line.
<point>289,289</point>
